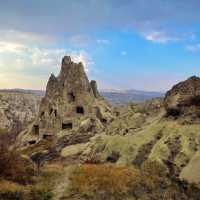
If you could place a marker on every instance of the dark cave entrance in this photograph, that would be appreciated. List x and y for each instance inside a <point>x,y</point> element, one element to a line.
<point>36,129</point>
<point>55,113</point>
<point>67,125</point>
<point>71,97</point>
<point>173,112</point>
<point>46,136</point>
<point>80,110</point>
<point>51,110</point>
<point>32,142</point>
<point>42,114</point>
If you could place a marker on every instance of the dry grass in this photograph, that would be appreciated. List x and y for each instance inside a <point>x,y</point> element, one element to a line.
<point>15,168</point>
<point>103,181</point>
<point>111,182</point>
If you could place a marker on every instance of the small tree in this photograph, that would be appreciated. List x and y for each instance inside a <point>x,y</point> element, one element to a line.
<point>39,159</point>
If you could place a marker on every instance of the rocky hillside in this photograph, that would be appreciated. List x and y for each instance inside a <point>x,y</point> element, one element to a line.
<point>74,121</point>
<point>166,132</point>
<point>156,130</point>
<point>17,109</point>
<point>158,139</point>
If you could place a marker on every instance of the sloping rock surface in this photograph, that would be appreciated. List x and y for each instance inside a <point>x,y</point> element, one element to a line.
<point>183,100</point>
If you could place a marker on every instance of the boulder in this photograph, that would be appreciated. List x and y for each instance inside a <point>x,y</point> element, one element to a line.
<point>183,100</point>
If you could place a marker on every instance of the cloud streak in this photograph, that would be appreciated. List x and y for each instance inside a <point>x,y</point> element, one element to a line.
<point>54,17</point>
<point>159,37</point>
<point>193,48</point>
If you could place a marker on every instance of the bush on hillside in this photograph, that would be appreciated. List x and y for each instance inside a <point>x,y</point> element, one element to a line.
<point>11,191</point>
<point>15,168</point>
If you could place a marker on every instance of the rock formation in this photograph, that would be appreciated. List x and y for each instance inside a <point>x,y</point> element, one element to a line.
<point>72,104</point>
<point>17,108</point>
<point>183,100</point>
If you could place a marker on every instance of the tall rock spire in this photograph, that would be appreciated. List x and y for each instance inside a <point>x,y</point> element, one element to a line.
<point>71,104</point>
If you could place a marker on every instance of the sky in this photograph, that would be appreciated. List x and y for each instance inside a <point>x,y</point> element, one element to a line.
<point>123,44</point>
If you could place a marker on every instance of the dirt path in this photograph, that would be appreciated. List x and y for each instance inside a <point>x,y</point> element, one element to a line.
<point>62,183</point>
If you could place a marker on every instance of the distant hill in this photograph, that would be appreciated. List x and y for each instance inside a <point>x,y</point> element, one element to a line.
<point>114,96</point>
<point>122,97</point>
<point>27,91</point>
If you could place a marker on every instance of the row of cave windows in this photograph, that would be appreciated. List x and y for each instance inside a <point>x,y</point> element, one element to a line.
<point>79,110</point>
<point>36,128</point>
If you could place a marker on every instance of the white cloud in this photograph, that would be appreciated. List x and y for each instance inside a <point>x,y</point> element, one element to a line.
<point>103,41</point>
<point>14,36</point>
<point>44,57</point>
<point>82,56</point>
<point>11,47</point>
<point>193,48</point>
<point>159,37</point>
<point>25,65</point>
<point>123,53</point>
<point>27,59</point>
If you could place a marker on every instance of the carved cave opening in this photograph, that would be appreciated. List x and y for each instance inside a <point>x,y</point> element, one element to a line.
<point>67,125</point>
<point>51,110</point>
<point>104,120</point>
<point>36,129</point>
<point>32,142</point>
<point>42,114</point>
<point>55,113</point>
<point>71,97</point>
<point>173,112</point>
<point>80,110</point>
<point>46,136</point>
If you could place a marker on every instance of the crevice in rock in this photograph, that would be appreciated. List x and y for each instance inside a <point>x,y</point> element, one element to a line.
<point>113,158</point>
<point>145,150</point>
<point>174,146</point>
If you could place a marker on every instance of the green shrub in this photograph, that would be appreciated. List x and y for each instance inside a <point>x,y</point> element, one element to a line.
<point>40,194</point>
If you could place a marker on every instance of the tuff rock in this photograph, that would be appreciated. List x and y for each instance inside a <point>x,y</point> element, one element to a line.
<point>71,104</point>
<point>183,100</point>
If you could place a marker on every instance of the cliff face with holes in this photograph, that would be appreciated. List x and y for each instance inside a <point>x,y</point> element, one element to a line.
<point>71,104</point>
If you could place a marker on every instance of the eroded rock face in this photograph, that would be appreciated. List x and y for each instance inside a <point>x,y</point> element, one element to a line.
<point>71,104</point>
<point>184,99</point>
<point>17,108</point>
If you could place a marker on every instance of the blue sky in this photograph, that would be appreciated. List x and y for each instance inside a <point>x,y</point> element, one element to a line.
<point>124,44</point>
